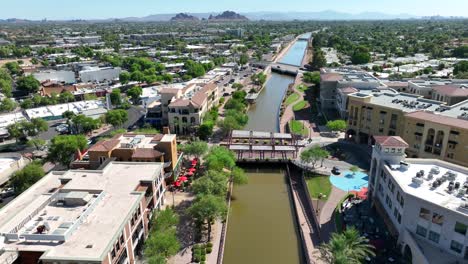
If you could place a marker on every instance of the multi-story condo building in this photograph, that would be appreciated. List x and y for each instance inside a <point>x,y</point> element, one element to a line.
<point>423,202</point>
<point>334,79</point>
<point>445,90</point>
<point>431,128</point>
<point>83,216</point>
<point>135,148</point>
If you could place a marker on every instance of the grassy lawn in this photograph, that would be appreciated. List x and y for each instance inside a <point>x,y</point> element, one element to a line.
<point>318,184</point>
<point>291,98</point>
<point>302,87</point>
<point>297,128</point>
<point>299,106</point>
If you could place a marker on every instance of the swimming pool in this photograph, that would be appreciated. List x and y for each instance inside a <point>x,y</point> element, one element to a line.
<point>349,182</point>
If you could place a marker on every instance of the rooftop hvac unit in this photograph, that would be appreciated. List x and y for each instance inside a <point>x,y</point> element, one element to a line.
<point>418,181</point>
<point>461,192</point>
<point>435,170</point>
<point>430,176</point>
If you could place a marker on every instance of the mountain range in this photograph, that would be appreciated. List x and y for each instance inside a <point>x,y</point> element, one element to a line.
<point>255,16</point>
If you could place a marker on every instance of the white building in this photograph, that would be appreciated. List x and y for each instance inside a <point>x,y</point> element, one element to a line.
<point>83,216</point>
<point>57,76</point>
<point>423,201</point>
<point>96,74</point>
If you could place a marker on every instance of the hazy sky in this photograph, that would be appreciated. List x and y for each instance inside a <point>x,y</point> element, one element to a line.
<point>60,9</point>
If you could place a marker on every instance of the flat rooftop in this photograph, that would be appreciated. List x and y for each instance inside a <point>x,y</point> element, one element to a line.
<point>87,209</point>
<point>350,74</point>
<point>405,102</point>
<point>423,188</point>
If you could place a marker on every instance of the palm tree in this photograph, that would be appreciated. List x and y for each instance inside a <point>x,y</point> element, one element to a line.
<point>347,247</point>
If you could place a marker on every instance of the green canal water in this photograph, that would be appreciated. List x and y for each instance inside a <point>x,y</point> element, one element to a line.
<point>261,226</point>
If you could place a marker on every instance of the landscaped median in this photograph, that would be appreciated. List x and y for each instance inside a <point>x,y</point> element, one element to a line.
<point>318,184</point>
<point>297,127</point>
<point>299,106</point>
<point>291,98</point>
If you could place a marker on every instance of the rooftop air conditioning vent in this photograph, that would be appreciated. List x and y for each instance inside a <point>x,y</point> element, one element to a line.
<point>89,246</point>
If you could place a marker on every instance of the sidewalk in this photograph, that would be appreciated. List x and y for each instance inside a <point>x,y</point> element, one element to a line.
<point>327,221</point>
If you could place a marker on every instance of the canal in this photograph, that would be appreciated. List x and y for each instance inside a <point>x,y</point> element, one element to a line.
<point>261,226</point>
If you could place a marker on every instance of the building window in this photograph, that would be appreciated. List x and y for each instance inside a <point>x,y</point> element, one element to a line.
<point>460,228</point>
<point>425,214</point>
<point>421,231</point>
<point>399,218</point>
<point>402,201</point>
<point>122,239</point>
<point>455,246</point>
<point>434,237</point>
<point>437,219</point>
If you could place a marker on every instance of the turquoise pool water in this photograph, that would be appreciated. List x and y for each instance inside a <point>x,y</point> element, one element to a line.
<point>349,182</point>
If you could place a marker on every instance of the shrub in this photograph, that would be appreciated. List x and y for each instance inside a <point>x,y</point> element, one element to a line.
<point>209,244</point>
<point>208,250</point>
<point>203,258</point>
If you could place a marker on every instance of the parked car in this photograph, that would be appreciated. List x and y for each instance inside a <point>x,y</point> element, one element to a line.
<point>336,170</point>
<point>7,192</point>
<point>62,128</point>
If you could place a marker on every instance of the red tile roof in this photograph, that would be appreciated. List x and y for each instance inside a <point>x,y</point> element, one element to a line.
<point>330,77</point>
<point>390,141</point>
<point>107,145</point>
<point>146,153</point>
<point>451,90</point>
<point>439,119</point>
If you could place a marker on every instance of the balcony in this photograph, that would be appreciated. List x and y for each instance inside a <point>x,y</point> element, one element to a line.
<point>429,142</point>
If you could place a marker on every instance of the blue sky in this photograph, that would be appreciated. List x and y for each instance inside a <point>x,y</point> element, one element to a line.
<point>66,9</point>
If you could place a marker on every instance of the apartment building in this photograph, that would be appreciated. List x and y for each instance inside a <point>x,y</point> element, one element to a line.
<point>433,129</point>
<point>422,201</point>
<point>183,108</point>
<point>334,79</point>
<point>448,91</point>
<point>131,147</point>
<point>83,216</point>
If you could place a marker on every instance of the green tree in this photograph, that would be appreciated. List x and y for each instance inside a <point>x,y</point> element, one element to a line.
<point>336,125</point>
<point>205,130</point>
<point>13,67</point>
<point>116,117</point>
<point>124,77</point>
<point>194,69</point>
<point>461,52</point>
<point>312,77</point>
<point>85,124</point>
<point>37,143</point>
<point>165,243</point>
<point>28,84</point>
<point>63,147</point>
<point>212,183</point>
<point>6,87</point>
<point>219,158</point>
<point>66,97</point>
<point>195,148</point>
<point>361,55</point>
<point>460,67</point>
<point>313,155</point>
<point>26,177</point>
<point>7,105</point>
<point>243,59</point>
<point>116,97</point>
<point>318,59</point>
<point>135,92</point>
<point>347,247</point>
<point>206,209</point>
<point>238,176</point>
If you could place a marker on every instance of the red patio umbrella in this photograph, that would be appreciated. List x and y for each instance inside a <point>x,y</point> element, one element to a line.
<point>192,170</point>
<point>183,179</point>
<point>363,193</point>
<point>177,183</point>
<point>189,173</point>
<point>194,162</point>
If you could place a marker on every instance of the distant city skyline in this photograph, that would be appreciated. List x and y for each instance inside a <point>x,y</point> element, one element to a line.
<point>99,9</point>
